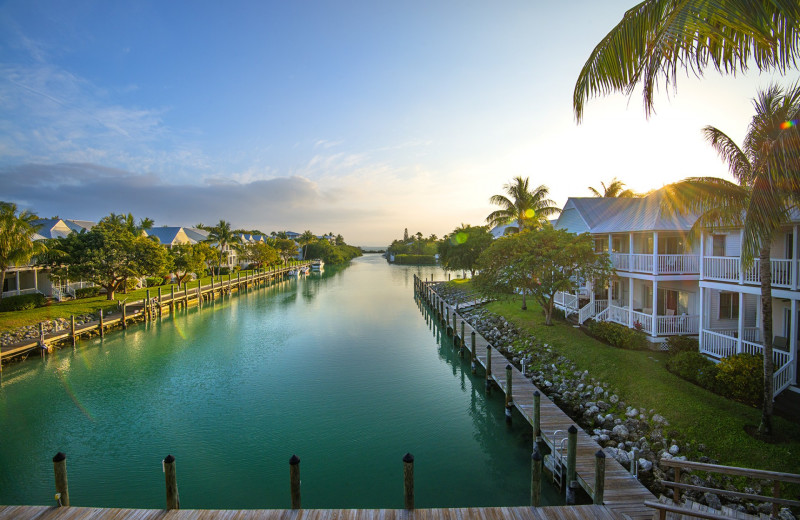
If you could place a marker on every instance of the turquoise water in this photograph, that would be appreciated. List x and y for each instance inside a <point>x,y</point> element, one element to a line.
<point>343,369</point>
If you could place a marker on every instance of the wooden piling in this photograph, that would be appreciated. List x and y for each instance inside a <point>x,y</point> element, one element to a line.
<point>599,477</point>
<point>171,479</point>
<point>172,299</point>
<point>42,346</point>
<point>536,478</point>
<point>509,395</point>
<point>488,366</point>
<point>473,363</point>
<point>572,450</point>
<point>294,480</point>
<point>62,486</point>
<point>147,306</point>
<point>124,316</point>
<point>159,301</point>
<point>408,481</point>
<point>102,332</point>
<point>537,425</point>
<point>72,331</point>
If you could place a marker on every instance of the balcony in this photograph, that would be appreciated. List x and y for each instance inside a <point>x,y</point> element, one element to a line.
<point>728,269</point>
<point>665,264</point>
<point>664,325</point>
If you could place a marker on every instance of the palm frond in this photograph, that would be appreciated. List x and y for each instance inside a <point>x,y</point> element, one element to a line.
<point>738,162</point>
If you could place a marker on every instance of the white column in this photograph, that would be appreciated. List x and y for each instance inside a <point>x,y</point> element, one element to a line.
<point>741,267</point>
<point>630,302</point>
<point>610,244</point>
<point>793,332</point>
<point>794,258</point>
<point>702,253</point>
<point>610,291</point>
<point>655,253</point>
<point>630,251</point>
<point>655,308</point>
<point>740,324</point>
<point>701,318</point>
<point>35,280</point>
<point>17,280</point>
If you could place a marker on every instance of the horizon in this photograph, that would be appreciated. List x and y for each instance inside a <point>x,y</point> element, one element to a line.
<point>361,119</point>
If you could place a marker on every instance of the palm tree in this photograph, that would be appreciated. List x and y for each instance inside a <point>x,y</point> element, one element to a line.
<point>530,209</point>
<point>766,170</point>
<point>224,237</point>
<point>17,246</point>
<point>657,37</point>
<point>614,189</point>
<point>306,238</point>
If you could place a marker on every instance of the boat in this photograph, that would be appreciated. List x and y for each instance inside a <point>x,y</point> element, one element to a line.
<point>317,265</point>
<point>294,272</point>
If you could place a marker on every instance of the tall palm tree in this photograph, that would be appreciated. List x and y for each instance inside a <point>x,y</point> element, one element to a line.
<point>657,37</point>
<point>766,170</point>
<point>529,208</point>
<point>17,246</point>
<point>224,237</point>
<point>306,238</point>
<point>614,189</point>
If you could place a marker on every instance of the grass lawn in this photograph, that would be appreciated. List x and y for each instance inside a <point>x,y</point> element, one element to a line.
<point>15,319</point>
<point>642,381</point>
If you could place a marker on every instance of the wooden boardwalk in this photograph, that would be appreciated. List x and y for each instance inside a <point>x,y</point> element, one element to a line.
<point>136,310</point>
<point>623,494</point>
<point>483,513</point>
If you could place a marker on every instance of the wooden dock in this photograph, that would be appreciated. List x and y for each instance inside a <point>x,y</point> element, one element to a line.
<point>624,494</point>
<point>483,513</point>
<point>142,310</point>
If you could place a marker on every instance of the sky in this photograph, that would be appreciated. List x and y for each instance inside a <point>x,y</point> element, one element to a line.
<point>357,118</point>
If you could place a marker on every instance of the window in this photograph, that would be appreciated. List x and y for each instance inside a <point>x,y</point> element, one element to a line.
<point>616,244</point>
<point>671,246</point>
<point>728,306</point>
<point>789,246</point>
<point>600,245</point>
<point>718,245</point>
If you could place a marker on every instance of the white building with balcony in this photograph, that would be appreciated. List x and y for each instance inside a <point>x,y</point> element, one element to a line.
<point>666,286</point>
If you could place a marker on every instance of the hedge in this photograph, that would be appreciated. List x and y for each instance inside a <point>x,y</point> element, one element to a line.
<point>87,292</point>
<point>415,259</point>
<point>618,335</point>
<point>22,302</point>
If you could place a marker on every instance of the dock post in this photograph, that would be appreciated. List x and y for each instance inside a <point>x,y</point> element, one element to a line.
<point>572,450</point>
<point>536,478</point>
<point>42,346</point>
<point>62,487</point>
<point>148,315</point>
<point>455,339</point>
<point>102,333</point>
<point>124,316</point>
<point>447,320</point>
<point>72,330</point>
<point>461,342</point>
<point>159,301</point>
<point>199,296</point>
<point>488,367</point>
<point>408,480</point>
<point>537,425</point>
<point>599,477</point>
<point>294,478</point>
<point>474,354</point>
<point>171,479</point>
<point>509,395</point>
<point>172,299</point>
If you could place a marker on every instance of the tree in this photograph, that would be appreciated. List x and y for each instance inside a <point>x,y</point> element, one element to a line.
<point>530,209</point>
<point>260,254</point>
<point>541,263</point>
<point>286,247</point>
<point>212,257</point>
<point>657,37</point>
<point>223,236</point>
<point>108,255</point>
<point>614,189</point>
<point>459,251</point>
<point>306,238</point>
<point>339,240</point>
<point>766,169</point>
<point>187,258</point>
<point>405,235</point>
<point>17,246</point>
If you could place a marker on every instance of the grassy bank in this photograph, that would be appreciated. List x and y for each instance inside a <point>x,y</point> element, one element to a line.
<point>641,380</point>
<point>16,319</point>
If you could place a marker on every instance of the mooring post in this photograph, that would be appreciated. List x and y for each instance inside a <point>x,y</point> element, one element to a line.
<point>72,329</point>
<point>488,366</point>
<point>199,296</point>
<point>536,478</point>
<point>473,362</point>
<point>572,449</point>
<point>102,333</point>
<point>42,346</point>
<point>159,301</point>
<point>294,479</point>
<point>599,477</point>
<point>455,339</point>
<point>62,487</point>
<point>147,306</point>
<point>408,480</point>
<point>509,395</point>
<point>537,425</point>
<point>124,316</point>
<point>171,479</point>
<point>172,299</point>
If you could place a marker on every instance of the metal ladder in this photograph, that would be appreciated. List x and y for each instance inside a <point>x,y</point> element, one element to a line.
<point>557,457</point>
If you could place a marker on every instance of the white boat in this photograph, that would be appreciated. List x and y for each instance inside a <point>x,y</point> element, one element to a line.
<point>294,272</point>
<point>317,265</point>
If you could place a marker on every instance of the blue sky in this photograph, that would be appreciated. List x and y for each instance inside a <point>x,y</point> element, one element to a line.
<point>362,118</point>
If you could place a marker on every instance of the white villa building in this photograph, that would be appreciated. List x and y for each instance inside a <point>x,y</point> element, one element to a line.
<point>666,286</point>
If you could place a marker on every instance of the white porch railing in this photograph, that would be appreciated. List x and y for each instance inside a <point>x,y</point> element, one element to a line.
<point>591,309</point>
<point>678,264</point>
<point>566,302</point>
<point>666,264</point>
<point>721,345</point>
<point>617,314</point>
<point>21,292</point>
<point>642,263</point>
<point>620,261</point>
<point>683,324</point>
<point>727,269</point>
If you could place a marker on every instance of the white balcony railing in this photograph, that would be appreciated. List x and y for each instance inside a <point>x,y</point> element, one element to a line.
<point>728,269</point>
<point>666,264</point>
<point>620,261</point>
<point>20,292</point>
<point>642,263</point>
<point>683,324</point>
<point>678,264</point>
<point>591,309</point>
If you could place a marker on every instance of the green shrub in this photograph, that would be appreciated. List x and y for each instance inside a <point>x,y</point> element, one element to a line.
<point>415,259</point>
<point>154,281</point>
<point>87,292</point>
<point>224,271</point>
<point>740,377</point>
<point>22,302</point>
<point>694,367</point>
<point>618,335</point>
<point>676,344</point>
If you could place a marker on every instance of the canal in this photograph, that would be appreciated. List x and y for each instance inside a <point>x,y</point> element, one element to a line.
<point>341,369</point>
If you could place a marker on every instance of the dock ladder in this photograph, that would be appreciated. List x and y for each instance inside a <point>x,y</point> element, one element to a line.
<point>557,457</point>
